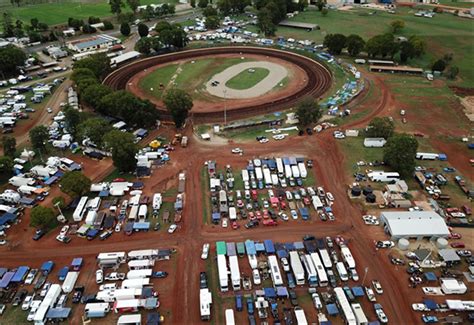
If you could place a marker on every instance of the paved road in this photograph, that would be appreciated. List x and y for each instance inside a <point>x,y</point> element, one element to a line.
<point>276,73</point>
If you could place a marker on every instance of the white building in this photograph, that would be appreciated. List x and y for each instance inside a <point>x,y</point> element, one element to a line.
<point>414,224</point>
<point>93,43</point>
<point>374,142</point>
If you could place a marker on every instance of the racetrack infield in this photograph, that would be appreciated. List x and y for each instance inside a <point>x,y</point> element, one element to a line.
<point>310,78</point>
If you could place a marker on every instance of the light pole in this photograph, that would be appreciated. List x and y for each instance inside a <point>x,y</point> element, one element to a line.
<point>225,107</point>
<point>365,274</point>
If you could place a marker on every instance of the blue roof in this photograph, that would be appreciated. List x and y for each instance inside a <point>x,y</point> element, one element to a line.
<point>282,253</point>
<point>6,279</point>
<point>216,216</point>
<point>282,291</point>
<point>63,272</point>
<point>7,217</point>
<point>104,193</point>
<point>430,304</point>
<point>260,247</point>
<point>20,274</point>
<point>250,247</point>
<point>76,261</point>
<point>51,180</point>
<point>3,270</point>
<point>430,276</point>
<point>358,291</point>
<point>93,42</point>
<point>269,246</point>
<point>141,225</point>
<point>332,309</point>
<point>304,212</point>
<point>326,322</point>
<point>47,266</point>
<point>290,246</point>
<point>269,292</point>
<point>375,322</point>
<point>298,245</point>
<point>58,313</point>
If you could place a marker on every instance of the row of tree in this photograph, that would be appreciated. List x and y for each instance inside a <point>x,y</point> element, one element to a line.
<point>272,12</point>
<point>11,57</point>
<point>169,35</point>
<point>383,45</point>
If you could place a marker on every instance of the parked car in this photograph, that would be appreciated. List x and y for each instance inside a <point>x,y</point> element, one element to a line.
<point>38,234</point>
<point>293,298</point>
<point>205,251</point>
<point>172,228</point>
<point>114,276</point>
<point>256,277</point>
<point>377,286</point>
<point>429,319</point>
<point>380,313</point>
<point>159,274</point>
<point>458,245</point>
<point>285,264</point>
<point>203,280</point>
<point>384,244</point>
<point>99,276</point>
<point>27,302</point>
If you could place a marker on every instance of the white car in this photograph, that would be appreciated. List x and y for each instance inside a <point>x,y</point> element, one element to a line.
<point>370,220</point>
<point>264,140</point>
<point>237,151</point>
<point>377,286</point>
<point>256,277</point>
<point>99,276</point>
<point>172,228</point>
<point>294,214</point>
<point>3,242</point>
<point>317,301</point>
<point>205,251</point>
<point>380,313</point>
<point>354,274</point>
<point>279,136</point>
<point>225,223</point>
<point>339,135</point>
<point>27,302</point>
<point>329,196</point>
<point>118,227</point>
<point>289,196</point>
<point>49,110</point>
<point>33,308</point>
<point>285,264</point>
<point>115,276</point>
<point>108,286</point>
<point>311,191</point>
<point>419,307</point>
<point>64,230</point>
<point>31,276</point>
<point>45,289</point>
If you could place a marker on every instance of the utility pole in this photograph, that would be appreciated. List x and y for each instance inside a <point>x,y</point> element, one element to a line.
<point>225,107</point>
<point>365,275</point>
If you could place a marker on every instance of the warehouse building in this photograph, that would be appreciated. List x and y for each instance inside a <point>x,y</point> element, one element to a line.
<point>93,43</point>
<point>414,224</point>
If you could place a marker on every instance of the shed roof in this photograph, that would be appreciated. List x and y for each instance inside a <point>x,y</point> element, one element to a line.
<point>414,223</point>
<point>449,255</point>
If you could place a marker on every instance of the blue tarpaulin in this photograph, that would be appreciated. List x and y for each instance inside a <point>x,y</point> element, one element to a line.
<point>260,247</point>
<point>299,245</point>
<point>430,304</point>
<point>76,263</point>
<point>58,313</point>
<point>3,270</point>
<point>47,267</point>
<point>358,291</point>
<point>332,309</point>
<point>104,193</point>
<point>269,292</point>
<point>290,246</point>
<point>141,225</point>
<point>430,276</point>
<point>375,322</point>
<point>282,292</point>
<point>282,253</point>
<point>51,180</point>
<point>7,217</point>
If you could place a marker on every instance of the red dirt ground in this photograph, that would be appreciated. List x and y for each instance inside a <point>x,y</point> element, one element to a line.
<point>297,77</point>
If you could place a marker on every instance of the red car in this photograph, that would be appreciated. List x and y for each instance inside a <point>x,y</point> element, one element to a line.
<point>119,180</point>
<point>259,215</point>
<point>455,235</point>
<point>340,240</point>
<point>252,216</point>
<point>467,210</point>
<point>270,222</point>
<point>235,225</point>
<point>458,244</point>
<point>282,205</point>
<point>265,214</point>
<point>306,201</point>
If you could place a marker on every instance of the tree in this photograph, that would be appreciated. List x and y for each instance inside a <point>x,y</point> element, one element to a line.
<point>178,103</point>
<point>75,184</point>
<point>94,129</point>
<point>418,45</point>
<point>212,22</point>
<point>59,202</point>
<point>17,2</point>
<point>452,72</point>
<point>380,127</point>
<point>82,73</point>
<point>335,43</point>
<point>203,3</point>
<point>9,146</point>
<point>93,20</point>
<point>265,23</point>
<point>148,13</point>
<point>39,136</point>
<point>42,217</point>
<point>439,65</point>
<point>355,44</point>
<point>397,26</point>
<point>123,150</point>
<point>133,4</point>
<point>34,23</point>
<point>88,29</point>
<point>320,4</point>
<point>324,12</point>
<point>108,25</point>
<point>125,29</point>
<point>75,23</point>
<point>6,165</point>
<point>125,17</point>
<point>400,153</point>
<point>116,6</point>
<point>192,3</point>
<point>11,57</point>
<point>93,94</point>
<point>308,112</point>
<point>209,11</point>
<point>407,51</point>
<point>224,6</point>
<point>143,45</point>
<point>142,30</point>
<point>171,35</point>
<point>99,64</point>
<point>72,118</point>
<point>8,27</point>
<point>382,45</point>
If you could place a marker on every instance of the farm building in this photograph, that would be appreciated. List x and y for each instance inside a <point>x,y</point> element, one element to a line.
<point>374,142</point>
<point>94,43</point>
<point>414,224</point>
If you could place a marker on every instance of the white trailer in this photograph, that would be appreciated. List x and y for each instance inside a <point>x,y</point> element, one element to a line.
<point>300,316</point>
<point>134,319</point>
<point>258,173</point>
<point>19,181</point>
<point>275,180</point>
<point>133,212</point>
<point>295,171</point>
<point>234,272</point>
<point>343,303</point>
<point>142,211</point>
<point>245,175</point>
<point>70,281</point>
<point>303,171</point>
<point>10,196</point>
<point>229,317</point>
<point>223,273</point>
<point>118,294</point>
<point>297,268</point>
<point>275,271</point>
<point>312,274</point>
<point>26,190</point>
<point>253,261</point>
<point>205,301</point>
<point>48,302</point>
<point>427,156</point>
<point>268,177</point>
<point>127,305</point>
<point>141,264</point>
<point>347,257</point>
<point>112,259</point>
<point>96,309</point>
<point>325,259</point>
<point>232,213</point>
<point>280,168</point>
<point>139,274</point>
<point>360,317</point>
<point>341,269</point>
<point>288,172</point>
<point>157,201</point>
<point>94,204</point>
<point>322,275</point>
<point>317,204</point>
<point>381,176</point>
<point>90,217</point>
<point>143,254</point>
<point>135,283</point>
<point>80,209</point>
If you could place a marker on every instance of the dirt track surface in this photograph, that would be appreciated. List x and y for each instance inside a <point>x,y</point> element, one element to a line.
<point>277,73</point>
<point>317,83</point>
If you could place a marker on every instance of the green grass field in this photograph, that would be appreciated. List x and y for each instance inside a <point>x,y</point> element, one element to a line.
<point>247,79</point>
<point>188,76</point>
<point>443,34</point>
<point>58,13</point>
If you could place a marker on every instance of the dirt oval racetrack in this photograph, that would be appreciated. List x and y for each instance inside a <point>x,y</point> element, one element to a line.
<point>319,80</point>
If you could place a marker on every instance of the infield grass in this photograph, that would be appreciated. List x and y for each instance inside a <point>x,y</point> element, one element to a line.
<point>247,79</point>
